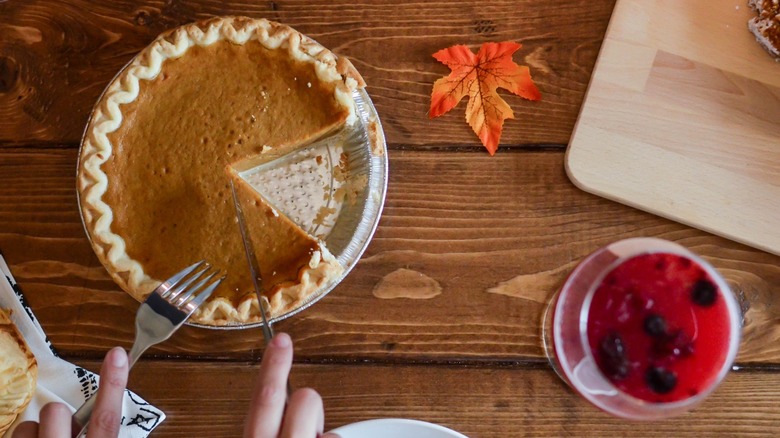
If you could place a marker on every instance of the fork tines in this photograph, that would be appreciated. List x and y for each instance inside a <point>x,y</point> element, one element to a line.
<point>192,285</point>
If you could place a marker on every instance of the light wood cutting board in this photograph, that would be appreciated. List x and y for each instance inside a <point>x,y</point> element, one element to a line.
<point>682,119</point>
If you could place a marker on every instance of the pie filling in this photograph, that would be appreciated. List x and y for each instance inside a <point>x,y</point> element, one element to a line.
<point>218,108</point>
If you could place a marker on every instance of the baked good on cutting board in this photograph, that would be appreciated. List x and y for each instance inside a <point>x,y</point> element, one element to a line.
<point>766,25</point>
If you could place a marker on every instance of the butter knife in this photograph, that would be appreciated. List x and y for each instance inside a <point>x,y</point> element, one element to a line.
<point>254,269</point>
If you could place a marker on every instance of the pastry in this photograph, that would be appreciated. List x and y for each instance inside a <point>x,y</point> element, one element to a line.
<point>18,373</point>
<point>200,103</point>
<point>766,25</point>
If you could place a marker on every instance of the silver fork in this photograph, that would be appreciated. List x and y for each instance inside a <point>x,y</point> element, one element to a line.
<point>163,312</point>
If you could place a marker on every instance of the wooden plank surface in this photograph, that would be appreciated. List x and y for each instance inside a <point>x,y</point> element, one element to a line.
<point>458,269</point>
<point>479,402</point>
<point>56,57</point>
<point>441,318</point>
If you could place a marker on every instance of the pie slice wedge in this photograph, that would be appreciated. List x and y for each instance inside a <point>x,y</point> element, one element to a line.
<point>291,261</point>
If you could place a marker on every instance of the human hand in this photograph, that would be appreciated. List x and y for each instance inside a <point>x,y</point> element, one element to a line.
<point>55,418</point>
<point>269,416</point>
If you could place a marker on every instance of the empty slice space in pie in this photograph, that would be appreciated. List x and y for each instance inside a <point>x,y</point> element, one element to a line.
<point>200,105</point>
<point>286,201</point>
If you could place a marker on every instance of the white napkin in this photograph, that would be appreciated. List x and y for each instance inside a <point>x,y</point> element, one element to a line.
<point>62,381</point>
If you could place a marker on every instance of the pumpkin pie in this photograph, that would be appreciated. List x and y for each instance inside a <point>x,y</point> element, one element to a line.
<point>198,105</point>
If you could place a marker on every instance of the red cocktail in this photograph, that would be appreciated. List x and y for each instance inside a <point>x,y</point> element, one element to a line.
<point>643,329</point>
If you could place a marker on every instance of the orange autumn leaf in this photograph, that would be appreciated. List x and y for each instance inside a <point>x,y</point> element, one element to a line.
<point>478,76</point>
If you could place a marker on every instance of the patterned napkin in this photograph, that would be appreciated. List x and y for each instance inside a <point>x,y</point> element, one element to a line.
<point>62,381</point>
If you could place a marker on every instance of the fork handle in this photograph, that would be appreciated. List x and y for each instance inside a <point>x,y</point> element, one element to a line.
<point>135,352</point>
<point>81,417</point>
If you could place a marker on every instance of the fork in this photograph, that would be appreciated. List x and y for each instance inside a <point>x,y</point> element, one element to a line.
<point>163,312</point>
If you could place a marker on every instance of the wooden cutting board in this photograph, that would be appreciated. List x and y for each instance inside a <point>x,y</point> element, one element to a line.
<point>682,119</point>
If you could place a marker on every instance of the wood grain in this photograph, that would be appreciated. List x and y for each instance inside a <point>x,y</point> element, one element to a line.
<point>203,399</point>
<point>57,57</point>
<point>497,250</point>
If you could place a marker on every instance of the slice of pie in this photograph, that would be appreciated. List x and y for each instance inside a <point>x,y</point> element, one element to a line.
<point>292,261</point>
<point>200,103</point>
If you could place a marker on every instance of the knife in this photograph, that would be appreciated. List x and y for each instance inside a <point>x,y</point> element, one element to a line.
<point>254,269</point>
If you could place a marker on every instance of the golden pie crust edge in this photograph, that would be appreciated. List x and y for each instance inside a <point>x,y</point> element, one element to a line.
<point>107,117</point>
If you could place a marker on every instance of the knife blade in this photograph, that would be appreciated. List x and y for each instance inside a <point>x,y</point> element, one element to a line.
<point>254,269</point>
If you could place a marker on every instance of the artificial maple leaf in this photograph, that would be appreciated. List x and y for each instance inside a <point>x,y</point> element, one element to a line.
<point>478,76</point>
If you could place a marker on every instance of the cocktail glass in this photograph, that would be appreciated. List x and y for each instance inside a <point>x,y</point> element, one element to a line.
<point>604,370</point>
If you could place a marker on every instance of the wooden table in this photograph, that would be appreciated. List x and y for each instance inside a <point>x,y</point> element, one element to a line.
<point>440,320</point>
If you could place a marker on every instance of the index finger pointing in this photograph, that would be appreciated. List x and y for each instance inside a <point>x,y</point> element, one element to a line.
<point>105,419</point>
<point>270,393</point>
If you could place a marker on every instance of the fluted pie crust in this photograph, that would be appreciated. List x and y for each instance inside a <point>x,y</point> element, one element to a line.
<point>199,102</point>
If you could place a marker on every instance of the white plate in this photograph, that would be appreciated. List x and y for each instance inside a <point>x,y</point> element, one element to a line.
<point>395,428</point>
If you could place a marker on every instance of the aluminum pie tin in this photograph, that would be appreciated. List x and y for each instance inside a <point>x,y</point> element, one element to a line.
<point>363,148</point>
